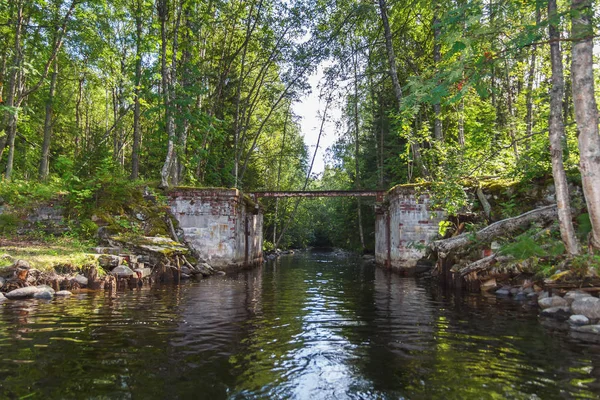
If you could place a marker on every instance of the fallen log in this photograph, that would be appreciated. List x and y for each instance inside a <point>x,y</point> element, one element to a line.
<point>503,227</point>
<point>483,264</point>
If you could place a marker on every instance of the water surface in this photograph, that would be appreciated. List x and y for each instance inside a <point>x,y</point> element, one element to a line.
<point>309,326</point>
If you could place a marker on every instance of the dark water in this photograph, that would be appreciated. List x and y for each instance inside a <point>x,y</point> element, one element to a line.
<point>311,326</point>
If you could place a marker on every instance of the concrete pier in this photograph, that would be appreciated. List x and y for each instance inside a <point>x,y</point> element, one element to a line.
<point>404,225</point>
<point>222,225</point>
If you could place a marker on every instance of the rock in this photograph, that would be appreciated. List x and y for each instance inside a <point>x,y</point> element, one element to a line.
<point>514,291</point>
<point>588,306</point>
<point>2,280</point>
<point>81,280</point>
<point>560,313</point>
<point>108,250</point>
<point>109,261</point>
<point>488,285</point>
<point>143,272</point>
<point>22,293</point>
<point>185,276</point>
<point>503,292</point>
<point>531,295</point>
<point>578,320</point>
<point>122,271</point>
<point>63,293</point>
<point>45,288</point>
<point>186,270</point>
<point>43,295</point>
<point>2,297</point>
<point>575,295</point>
<point>221,273</point>
<point>521,296</point>
<point>205,269</point>
<point>554,301</point>
<point>587,328</point>
<point>528,291</point>
<point>542,295</point>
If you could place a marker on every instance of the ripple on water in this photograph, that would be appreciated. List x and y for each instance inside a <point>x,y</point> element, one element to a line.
<point>307,327</point>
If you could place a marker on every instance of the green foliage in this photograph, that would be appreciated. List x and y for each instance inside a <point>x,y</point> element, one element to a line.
<point>584,226</point>
<point>9,223</point>
<point>524,247</point>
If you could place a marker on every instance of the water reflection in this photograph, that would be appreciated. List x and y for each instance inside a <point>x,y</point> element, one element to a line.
<point>311,326</point>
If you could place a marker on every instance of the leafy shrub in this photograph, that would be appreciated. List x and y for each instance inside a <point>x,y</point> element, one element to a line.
<point>8,223</point>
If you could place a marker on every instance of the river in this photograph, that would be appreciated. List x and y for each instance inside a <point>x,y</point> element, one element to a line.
<point>310,326</point>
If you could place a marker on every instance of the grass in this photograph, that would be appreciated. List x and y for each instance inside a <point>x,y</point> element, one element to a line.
<point>45,253</point>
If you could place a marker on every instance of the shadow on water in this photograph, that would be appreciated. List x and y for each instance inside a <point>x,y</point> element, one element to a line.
<point>310,326</point>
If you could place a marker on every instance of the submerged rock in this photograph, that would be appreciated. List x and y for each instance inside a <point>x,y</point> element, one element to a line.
<point>44,295</point>
<point>588,306</point>
<point>63,293</point>
<point>554,301</point>
<point>578,320</point>
<point>22,293</point>
<point>560,313</point>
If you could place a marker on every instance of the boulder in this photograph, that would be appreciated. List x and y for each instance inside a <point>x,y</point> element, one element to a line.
<point>81,280</point>
<point>503,292</point>
<point>63,293</point>
<point>560,313</point>
<point>2,297</point>
<point>122,271</point>
<point>43,295</point>
<point>45,288</point>
<point>578,320</point>
<point>587,328</point>
<point>575,295</point>
<point>554,301</point>
<point>22,293</point>
<point>588,306</point>
<point>2,280</point>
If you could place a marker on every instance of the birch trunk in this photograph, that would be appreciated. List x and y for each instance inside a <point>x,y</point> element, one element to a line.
<point>556,130</point>
<point>586,110</point>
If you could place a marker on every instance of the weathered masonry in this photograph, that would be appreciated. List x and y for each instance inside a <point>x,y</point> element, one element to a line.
<point>404,225</point>
<point>222,225</point>
<point>225,227</point>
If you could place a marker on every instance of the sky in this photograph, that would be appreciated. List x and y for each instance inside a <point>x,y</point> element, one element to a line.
<point>309,108</point>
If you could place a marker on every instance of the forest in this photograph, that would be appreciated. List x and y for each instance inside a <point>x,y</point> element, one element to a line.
<point>201,93</point>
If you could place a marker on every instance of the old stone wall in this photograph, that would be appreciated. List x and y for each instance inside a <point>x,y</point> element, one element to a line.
<point>221,225</point>
<point>404,226</point>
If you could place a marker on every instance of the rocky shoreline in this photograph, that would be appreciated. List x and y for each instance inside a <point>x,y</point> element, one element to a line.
<point>121,265</point>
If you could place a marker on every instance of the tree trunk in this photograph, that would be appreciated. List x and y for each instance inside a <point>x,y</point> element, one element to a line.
<point>556,130</point>
<point>137,136</point>
<point>357,152</point>
<point>586,111</point>
<point>437,56</point>
<point>504,227</point>
<point>12,115</point>
<point>530,81</point>
<point>44,168</point>
<point>167,75</point>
